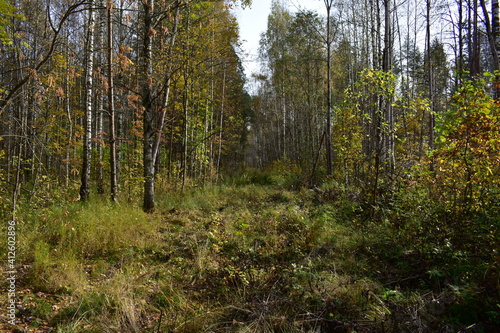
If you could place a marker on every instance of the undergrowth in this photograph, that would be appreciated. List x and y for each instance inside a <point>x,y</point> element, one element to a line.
<point>247,257</point>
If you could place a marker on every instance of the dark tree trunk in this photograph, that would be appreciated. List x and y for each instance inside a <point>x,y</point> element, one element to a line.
<point>475,63</point>
<point>147,103</point>
<point>111,107</point>
<point>490,32</point>
<point>387,67</point>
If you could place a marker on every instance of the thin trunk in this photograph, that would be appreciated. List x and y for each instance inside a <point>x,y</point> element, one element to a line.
<point>111,106</point>
<point>120,124</point>
<point>495,18</point>
<point>186,132</point>
<point>12,92</point>
<point>460,65</point>
<point>186,113</point>
<point>430,68</point>
<point>100,142</point>
<point>204,167</point>
<point>283,110</point>
<point>87,139</point>
<point>147,103</point>
<point>329,153</point>
<point>99,131</point>
<point>475,64</point>
<point>211,120</point>
<point>387,67</point>
<point>70,129</point>
<point>166,94</point>
<point>221,122</point>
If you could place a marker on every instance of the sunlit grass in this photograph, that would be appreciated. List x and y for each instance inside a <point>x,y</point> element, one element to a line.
<point>227,258</point>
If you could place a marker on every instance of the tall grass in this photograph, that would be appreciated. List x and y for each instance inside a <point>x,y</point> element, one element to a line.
<point>227,258</point>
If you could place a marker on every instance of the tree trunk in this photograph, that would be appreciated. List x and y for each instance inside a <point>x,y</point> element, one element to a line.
<point>329,153</point>
<point>100,142</point>
<point>387,67</point>
<point>99,103</point>
<point>87,139</point>
<point>10,93</point>
<point>70,124</point>
<point>475,63</point>
<point>460,58</point>
<point>221,122</point>
<point>431,82</point>
<point>186,131</point>
<point>111,106</point>
<point>490,31</point>
<point>495,24</point>
<point>147,103</point>
<point>166,87</point>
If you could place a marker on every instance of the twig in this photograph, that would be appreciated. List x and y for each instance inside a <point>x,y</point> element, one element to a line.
<point>159,321</point>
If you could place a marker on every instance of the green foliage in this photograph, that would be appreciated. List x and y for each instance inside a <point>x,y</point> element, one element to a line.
<point>284,172</point>
<point>348,139</point>
<point>7,12</point>
<point>360,125</point>
<point>410,143</point>
<point>252,257</point>
<point>468,152</point>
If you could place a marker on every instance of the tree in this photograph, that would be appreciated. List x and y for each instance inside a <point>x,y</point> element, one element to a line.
<point>87,138</point>
<point>147,95</point>
<point>7,13</point>
<point>387,67</point>
<point>467,154</point>
<point>329,151</point>
<point>274,51</point>
<point>111,106</point>
<point>430,76</point>
<point>35,67</point>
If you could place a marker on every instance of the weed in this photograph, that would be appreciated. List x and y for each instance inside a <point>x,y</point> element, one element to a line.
<point>246,258</point>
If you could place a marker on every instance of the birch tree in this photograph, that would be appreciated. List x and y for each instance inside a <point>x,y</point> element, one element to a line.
<point>111,106</point>
<point>87,139</point>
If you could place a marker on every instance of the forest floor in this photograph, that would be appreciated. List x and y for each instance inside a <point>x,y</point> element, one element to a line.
<point>236,258</point>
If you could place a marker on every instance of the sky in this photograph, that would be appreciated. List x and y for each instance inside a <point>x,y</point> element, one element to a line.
<point>253,22</point>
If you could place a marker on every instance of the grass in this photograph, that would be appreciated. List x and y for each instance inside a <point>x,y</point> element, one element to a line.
<point>228,258</point>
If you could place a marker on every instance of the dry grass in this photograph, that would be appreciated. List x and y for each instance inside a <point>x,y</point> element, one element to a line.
<point>220,259</point>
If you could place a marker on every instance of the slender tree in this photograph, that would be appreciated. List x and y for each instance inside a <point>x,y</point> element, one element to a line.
<point>87,139</point>
<point>167,84</point>
<point>430,74</point>
<point>387,67</point>
<point>111,106</point>
<point>147,96</point>
<point>56,29</point>
<point>329,39</point>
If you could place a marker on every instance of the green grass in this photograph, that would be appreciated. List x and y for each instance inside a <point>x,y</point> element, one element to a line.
<point>233,258</point>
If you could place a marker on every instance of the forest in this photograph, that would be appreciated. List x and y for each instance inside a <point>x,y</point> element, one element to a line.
<point>351,184</point>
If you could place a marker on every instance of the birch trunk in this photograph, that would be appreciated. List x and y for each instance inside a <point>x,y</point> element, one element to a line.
<point>166,95</point>
<point>87,139</point>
